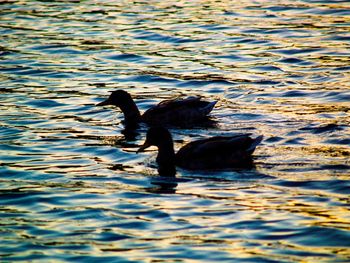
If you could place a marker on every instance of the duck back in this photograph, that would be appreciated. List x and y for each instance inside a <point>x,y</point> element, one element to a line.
<point>178,111</point>
<point>218,152</point>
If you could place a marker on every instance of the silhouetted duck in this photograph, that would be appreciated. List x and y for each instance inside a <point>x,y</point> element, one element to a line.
<point>212,153</point>
<point>168,112</point>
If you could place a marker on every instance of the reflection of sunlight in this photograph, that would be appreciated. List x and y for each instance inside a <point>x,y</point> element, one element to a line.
<point>72,186</point>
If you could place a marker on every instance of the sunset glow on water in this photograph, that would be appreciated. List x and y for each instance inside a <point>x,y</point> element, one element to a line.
<point>73,189</point>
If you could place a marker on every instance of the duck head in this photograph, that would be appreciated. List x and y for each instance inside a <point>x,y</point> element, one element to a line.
<point>117,98</point>
<point>156,136</point>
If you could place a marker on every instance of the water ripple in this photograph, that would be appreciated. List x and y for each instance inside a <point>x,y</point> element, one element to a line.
<point>72,187</point>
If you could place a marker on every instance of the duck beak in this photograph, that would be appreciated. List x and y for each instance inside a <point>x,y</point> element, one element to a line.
<point>143,147</point>
<point>103,103</point>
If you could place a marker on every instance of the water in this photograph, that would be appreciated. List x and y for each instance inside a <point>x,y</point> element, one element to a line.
<point>72,187</point>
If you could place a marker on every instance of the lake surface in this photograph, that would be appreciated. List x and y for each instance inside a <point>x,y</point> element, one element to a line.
<point>72,188</point>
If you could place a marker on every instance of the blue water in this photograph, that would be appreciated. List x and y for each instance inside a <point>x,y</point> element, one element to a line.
<point>72,188</point>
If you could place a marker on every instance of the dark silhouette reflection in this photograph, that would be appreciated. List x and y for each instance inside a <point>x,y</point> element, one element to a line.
<point>130,131</point>
<point>133,129</point>
<point>163,187</point>
<point>206,122</point>
<point>165,183</point>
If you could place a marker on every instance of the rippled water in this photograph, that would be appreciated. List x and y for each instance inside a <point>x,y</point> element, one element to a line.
<point>72,187</point>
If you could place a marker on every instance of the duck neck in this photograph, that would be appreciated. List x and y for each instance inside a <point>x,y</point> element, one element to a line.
<point>166,156</point>
<point>131,112</point>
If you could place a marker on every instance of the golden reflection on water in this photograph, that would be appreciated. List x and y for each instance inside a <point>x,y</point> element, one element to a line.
<point>277,68</point>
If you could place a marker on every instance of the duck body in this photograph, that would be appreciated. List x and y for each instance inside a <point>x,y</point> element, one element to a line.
<point>219,152</point>
<point>168,112</point>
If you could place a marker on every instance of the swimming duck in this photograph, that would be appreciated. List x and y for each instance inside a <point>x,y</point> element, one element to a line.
<point>168,112</point>
<point>212,153</point>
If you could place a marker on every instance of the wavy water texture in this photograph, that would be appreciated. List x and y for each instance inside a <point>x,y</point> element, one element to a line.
<point>72,188</point>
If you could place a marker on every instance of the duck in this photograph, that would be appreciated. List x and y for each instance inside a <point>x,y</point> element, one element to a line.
<point>168,112</point>
<point>219,152</point>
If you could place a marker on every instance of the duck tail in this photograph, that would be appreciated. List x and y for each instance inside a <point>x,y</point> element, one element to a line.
<point>255,143</point>
<point>208,108</point>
